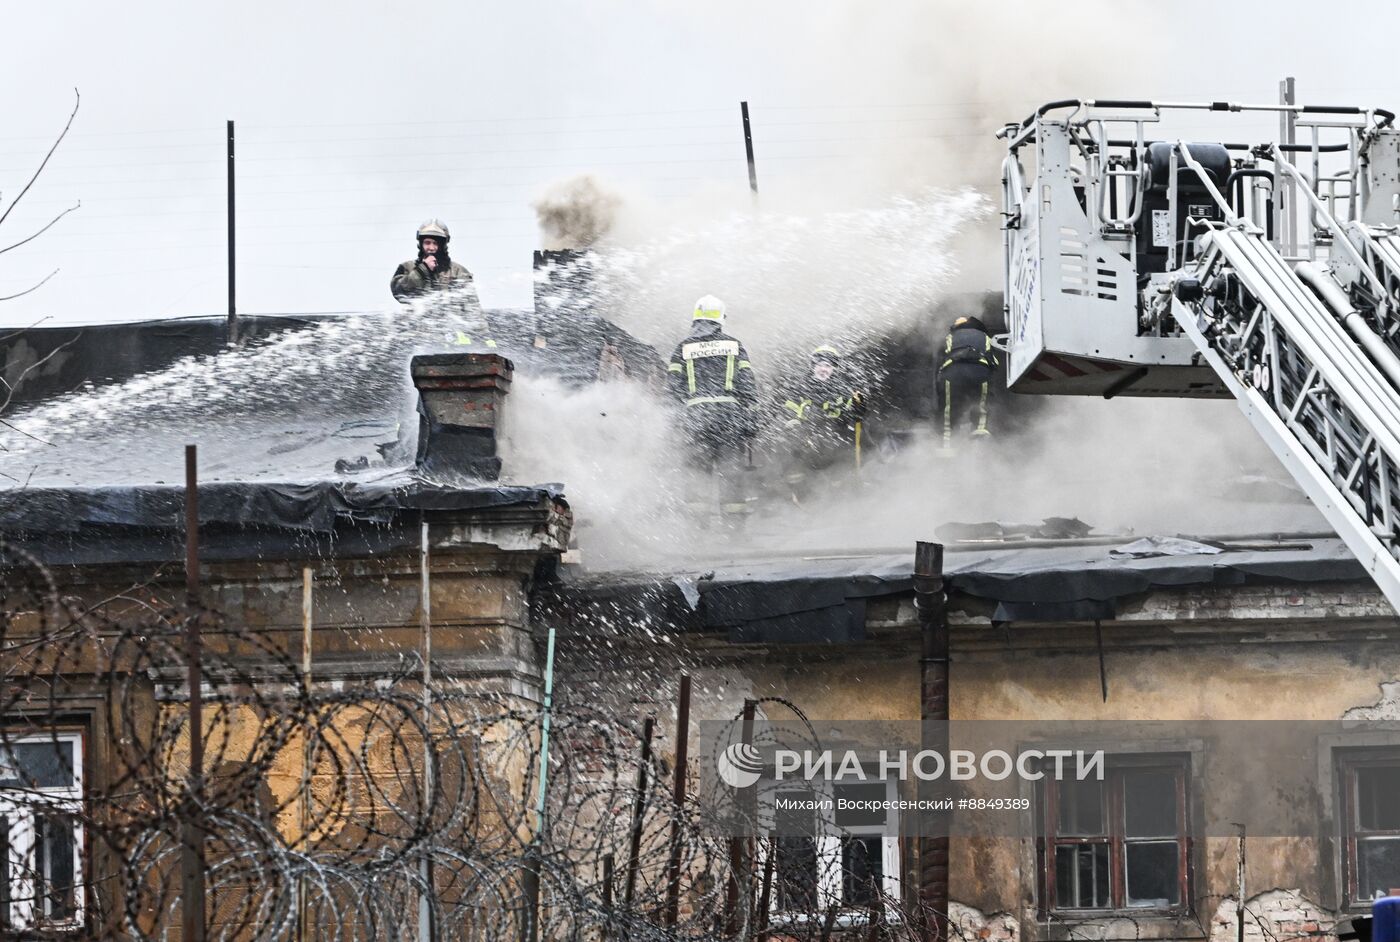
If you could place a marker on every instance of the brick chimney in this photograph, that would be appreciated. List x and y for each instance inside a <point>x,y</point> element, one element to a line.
<point>459,403</point>
<point>565,282</point>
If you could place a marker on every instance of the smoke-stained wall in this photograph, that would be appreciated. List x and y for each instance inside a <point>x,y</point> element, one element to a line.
<point>1325,652</point>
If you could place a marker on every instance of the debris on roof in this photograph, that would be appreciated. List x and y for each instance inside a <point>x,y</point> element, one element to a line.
<point>822,600</point>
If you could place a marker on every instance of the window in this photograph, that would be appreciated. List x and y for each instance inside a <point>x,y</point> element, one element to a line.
<point>41,841</point>
<point>1371,815</point>
<point>1119,843</point>
<point>827,856</point>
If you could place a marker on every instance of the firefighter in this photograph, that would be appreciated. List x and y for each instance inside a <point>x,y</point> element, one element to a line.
<point>823,421</point>
<point>434,270</point>
<point>709,376</point>
<point>967,362</point>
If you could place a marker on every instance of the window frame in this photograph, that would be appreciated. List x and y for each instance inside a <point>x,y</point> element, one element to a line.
<point>1047,839</point>
<point>828,840</point>
<point>19,809</point>
<point>1348,761</point>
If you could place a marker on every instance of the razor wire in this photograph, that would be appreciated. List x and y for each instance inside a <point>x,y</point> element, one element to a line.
<point>350,810</point>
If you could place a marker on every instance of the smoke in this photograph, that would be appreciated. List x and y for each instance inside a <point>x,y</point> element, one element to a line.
<point>577,212</point>
<point>611,444</point>
<point>891,217</point>
<point>878,170</point>
<point>794,279</point>
<point>1128,467</point>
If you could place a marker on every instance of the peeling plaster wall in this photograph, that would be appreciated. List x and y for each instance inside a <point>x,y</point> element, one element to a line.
<point>1275,916</point>
<point>1318,680</point>
<point>1213,653</point>
<point>973,925</point>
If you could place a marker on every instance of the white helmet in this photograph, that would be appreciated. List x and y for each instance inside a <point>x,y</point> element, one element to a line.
<point>436,229</point>
<point>709,308</point>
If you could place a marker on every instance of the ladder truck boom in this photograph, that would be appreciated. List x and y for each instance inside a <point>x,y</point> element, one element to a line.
<point>1138,267</point>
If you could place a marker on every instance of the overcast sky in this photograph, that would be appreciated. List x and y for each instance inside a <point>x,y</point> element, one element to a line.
<point>357,120</point>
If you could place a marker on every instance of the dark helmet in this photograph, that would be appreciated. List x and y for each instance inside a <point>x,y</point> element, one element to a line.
<point>826,353</point>
<point>436,229</point>
<point>972,322</point>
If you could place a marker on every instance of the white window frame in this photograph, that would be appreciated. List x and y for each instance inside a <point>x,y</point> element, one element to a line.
<point>830,886</point>
<point>20,807</point>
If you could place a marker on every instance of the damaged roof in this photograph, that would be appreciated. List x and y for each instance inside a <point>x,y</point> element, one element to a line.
<point>814,599</point>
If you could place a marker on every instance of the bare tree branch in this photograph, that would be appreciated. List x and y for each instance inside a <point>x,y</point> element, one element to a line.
<point>77,101</point>
<point>43,230</point>
<point>16,333</point>
<point>11,387</point>
<point>15,428</point>
<point>11,297</point>
<point>24,483</point>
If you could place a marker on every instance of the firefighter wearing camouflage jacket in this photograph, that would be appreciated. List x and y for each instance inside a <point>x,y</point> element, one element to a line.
<point>433,270</point>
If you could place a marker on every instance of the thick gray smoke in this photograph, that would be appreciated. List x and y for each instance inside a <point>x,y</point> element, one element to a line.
<point>866,249</point>
<point>793,279</point>
<point>577,212</point>
<point>1129,467</point>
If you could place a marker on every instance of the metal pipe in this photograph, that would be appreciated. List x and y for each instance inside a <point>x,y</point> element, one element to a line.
<point>1320,339</point>
<point>537,842</point>
<point>192,831</point>
<point>1012,198</point>
<point>1336,299</point>
<point>1239,904</point>
<point>307,620</point>
<point>1172,196</point>
<point>1287,209</point>
<point>232,281</point>
<point>544,731</point>
<point>1339,237</point>
<point>607,897</point>
<point>638,806</point>
<point>1103,668</point>
<point>748,146</point>
<point>673,868</point>
<point>738,859</point>
<point>931,604</point>
<point>765,895</point>
<point>426,928</point>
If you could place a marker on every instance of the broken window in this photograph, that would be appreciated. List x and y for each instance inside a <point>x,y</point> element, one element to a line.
<point>1371,812</point>
<point>1116,843</point>
<point>41,841</point>
<point>834,849</point>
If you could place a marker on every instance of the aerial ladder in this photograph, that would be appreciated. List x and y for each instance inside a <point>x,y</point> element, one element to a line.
<point>1269,273</point>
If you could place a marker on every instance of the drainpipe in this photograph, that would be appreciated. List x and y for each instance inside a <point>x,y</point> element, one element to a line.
<point>930,603</point>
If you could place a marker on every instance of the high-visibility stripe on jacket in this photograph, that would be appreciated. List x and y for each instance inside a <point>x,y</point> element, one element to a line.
<point>830,408</point>
<point>968,345</point>
<point>709,367</point>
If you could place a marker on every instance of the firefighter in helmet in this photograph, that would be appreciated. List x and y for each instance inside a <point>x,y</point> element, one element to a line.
<point>433,270</point>
<point>823,421</point>
<point>710,378</point>
<point>967,362</point>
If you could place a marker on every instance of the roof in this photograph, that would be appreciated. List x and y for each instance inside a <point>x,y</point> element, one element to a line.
<point>823,598</point>
<point>248,520</point>
<point>306,435</point>
<point>303,399</point>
